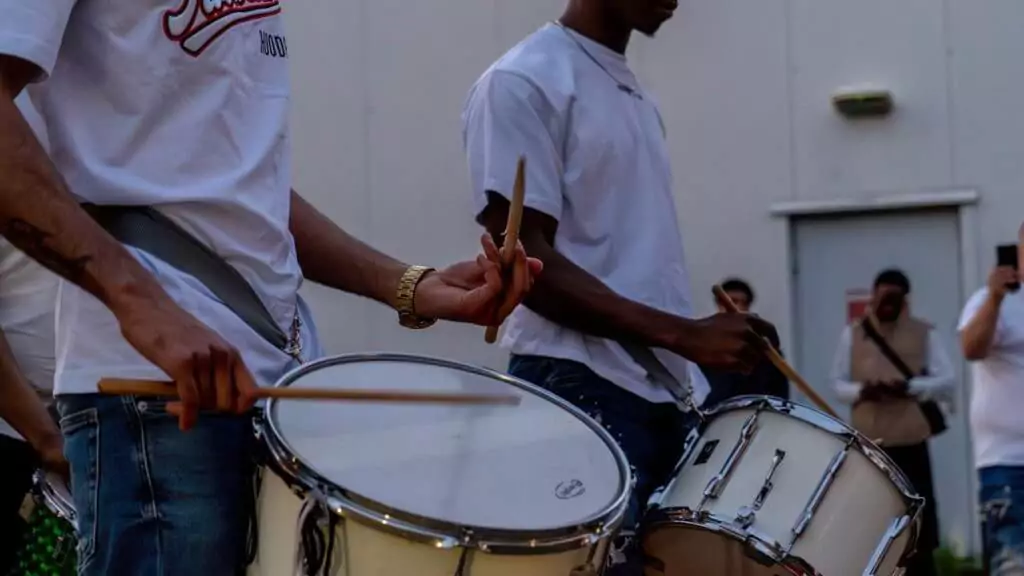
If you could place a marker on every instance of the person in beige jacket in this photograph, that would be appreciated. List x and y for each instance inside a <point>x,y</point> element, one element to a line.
<point>893,370</point>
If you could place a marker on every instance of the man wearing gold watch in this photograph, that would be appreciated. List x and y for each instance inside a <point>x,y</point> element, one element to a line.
<point>185,269</point>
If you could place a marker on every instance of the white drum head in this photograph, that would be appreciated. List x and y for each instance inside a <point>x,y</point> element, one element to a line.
<point>532,467</point>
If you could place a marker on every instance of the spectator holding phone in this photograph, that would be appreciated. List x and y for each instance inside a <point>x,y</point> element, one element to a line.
<point>992,338</point>
<point>892,368</point>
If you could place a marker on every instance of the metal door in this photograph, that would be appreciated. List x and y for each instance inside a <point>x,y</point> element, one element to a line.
<point>838,254</point>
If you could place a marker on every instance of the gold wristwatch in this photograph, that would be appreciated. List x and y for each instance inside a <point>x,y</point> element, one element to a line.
<point>407,296</point>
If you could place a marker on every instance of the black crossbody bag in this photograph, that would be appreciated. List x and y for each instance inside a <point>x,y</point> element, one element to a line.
<point>930,408</point>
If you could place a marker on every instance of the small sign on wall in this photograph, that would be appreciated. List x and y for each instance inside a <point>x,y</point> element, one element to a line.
<point>857,302</point>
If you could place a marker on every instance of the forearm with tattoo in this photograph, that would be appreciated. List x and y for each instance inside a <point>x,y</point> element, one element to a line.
<point>40,216</point>
<point>33,241</point>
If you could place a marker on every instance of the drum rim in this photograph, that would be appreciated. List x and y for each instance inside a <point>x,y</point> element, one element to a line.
<point>304,478</point>
<point>659,517</point>
<point>53,500</point>
<point>666,519</point>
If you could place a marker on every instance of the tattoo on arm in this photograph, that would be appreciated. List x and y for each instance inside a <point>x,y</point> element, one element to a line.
<point>33,242</point>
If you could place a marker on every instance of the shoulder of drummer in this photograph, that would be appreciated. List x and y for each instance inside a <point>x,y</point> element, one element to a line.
<point>31,35</point>
<point>519,107</point>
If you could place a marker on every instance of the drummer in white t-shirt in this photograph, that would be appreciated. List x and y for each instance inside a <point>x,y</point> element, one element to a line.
<point>612,308</point>
<point>180,108</point>
<point>992,338</point>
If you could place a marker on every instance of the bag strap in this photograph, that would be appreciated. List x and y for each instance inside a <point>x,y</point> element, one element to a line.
<point>146,229</point>
<point>885,349</point>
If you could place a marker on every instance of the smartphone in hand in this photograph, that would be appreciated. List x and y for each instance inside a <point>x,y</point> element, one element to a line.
<point>1006,255</point>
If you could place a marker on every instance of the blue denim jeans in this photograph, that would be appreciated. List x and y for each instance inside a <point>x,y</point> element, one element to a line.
<point>151,500</point>
<point>651,435</point>
<point>1002,507</point>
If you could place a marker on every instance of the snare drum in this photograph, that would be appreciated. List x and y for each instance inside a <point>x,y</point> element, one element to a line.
<point>373,489</point>
<point>49,547</point>
<point>773,488</point>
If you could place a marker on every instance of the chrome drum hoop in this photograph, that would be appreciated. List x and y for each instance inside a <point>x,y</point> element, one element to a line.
<point>306,482</point>
<point>706,522</point>
<point>53,500</point>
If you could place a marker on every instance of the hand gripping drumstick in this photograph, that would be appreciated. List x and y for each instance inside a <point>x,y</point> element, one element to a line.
<point>515,217</point>
<point>779,361</point>
<point>119,387</point>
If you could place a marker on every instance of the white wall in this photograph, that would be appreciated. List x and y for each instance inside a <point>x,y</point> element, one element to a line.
<point>745,89</point>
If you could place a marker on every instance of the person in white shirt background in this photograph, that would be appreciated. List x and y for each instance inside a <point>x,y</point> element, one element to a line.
<point>992,339</point>
<point>177,111</point>
<point>608,325</point>
<point>894,371</point>
<point>28,434</point>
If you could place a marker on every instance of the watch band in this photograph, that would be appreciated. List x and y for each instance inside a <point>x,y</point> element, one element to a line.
<point>406,297</point>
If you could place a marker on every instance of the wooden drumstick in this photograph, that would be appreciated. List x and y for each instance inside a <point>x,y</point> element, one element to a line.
<point>779,361</point>
<point>120,387</point>
<point>515,217</point>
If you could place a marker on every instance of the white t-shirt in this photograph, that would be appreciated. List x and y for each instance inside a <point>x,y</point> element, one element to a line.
<point>597,162</point>
<point>28,293</point>
<point>182,106</point>
<point>998,396</point>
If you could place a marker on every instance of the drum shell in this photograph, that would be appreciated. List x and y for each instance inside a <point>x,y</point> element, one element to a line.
<point>370,551</point>
<point>867,498</point>
<point>381,541</point>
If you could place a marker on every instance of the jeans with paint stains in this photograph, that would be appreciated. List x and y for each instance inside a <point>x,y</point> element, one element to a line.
<point>651,435</point>
<point>1002,508</point>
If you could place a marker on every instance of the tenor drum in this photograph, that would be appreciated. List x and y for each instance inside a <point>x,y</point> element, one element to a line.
<point>49,545</point>
<point>773,488</point>
<point>372,489</point>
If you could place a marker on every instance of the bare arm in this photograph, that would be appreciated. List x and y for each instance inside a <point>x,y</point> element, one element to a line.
<point>330,256</point>
<point>977,336</point>
<point>571,297</point>
<point>20,406</point>
<point>40,216</point>
<point>847,391</point>
<point>940,382</point>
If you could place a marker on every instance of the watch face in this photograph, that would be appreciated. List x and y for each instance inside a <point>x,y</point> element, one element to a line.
<point>414,322</point>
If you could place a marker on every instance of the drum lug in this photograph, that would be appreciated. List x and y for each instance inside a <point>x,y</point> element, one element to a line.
<point>804,520</point>
<point>766,488</point>
<point>717,484</point>
<point>746,515</point>
<point>467,541</point>
<point>895,529</point>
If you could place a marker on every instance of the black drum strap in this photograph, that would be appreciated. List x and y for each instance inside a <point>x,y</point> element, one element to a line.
<point>318,549</point>
<point>147,229</point>
<point>332,538</point>
<point>461,569</point>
